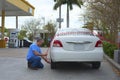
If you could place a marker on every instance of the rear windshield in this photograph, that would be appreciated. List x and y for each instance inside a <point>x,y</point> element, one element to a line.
<point>74,33</point>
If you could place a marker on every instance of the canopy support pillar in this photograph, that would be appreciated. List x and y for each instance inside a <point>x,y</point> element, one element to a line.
<point>16,22</point>
<point>3,23</point>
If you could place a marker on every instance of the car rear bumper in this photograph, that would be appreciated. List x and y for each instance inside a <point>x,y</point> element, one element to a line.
<point>61,55</point>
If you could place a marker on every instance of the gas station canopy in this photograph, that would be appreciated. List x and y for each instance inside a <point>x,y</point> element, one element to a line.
<point>13,8</point>
<point>16,8</point>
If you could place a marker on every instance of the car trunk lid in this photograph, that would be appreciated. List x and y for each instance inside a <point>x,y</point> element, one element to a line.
<point>79,43</point>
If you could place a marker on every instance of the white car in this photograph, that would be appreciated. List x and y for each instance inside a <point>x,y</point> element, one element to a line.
<point>76,45</point>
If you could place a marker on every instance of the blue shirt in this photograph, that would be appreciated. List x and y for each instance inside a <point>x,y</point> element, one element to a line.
<point>33,47</point>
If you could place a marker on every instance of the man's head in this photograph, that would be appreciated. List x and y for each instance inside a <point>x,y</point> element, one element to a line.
<point>39,41</point>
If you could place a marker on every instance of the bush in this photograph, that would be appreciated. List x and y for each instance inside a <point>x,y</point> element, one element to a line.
<point>45,44</point>
<point>109,48</point>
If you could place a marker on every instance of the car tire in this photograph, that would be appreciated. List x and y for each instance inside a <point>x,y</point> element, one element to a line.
<point>96,65</point>
<point>53,65</point>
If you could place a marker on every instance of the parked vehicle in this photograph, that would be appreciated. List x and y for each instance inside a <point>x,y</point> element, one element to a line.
<point>25,43</point>
<point>76,45</point>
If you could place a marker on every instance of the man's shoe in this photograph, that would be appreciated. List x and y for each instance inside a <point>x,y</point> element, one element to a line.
<point>29,64</point>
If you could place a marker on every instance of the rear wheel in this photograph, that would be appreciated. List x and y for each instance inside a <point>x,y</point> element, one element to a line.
<point>53,65</point>
<point>96,65</point>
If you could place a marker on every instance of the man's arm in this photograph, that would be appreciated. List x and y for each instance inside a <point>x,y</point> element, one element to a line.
<point>38,54</point>
<point>46,59</point>
<point>44,56</point>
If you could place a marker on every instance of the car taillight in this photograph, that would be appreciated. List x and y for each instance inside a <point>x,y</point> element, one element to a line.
<point>99,43</point>
<point>57,43</point>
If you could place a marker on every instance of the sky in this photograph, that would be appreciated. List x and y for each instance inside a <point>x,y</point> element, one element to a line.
<point>44,8</point>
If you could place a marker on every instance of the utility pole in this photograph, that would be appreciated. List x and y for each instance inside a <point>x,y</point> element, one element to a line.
<point>60,20</point>
<point>60,17</point>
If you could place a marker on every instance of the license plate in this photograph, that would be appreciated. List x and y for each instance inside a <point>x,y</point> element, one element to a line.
<point>78,47</point>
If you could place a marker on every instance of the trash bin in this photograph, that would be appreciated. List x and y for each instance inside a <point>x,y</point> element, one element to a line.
<point>2,44</point>
<point>117,56</point>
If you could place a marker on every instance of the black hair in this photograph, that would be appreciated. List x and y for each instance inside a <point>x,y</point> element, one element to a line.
<point>39,39</point>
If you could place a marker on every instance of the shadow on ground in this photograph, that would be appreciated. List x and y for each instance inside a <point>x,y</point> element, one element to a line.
<point>73,66</point>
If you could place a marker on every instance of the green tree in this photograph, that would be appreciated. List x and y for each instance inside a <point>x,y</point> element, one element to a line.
<point>89,25</point>
<point>31,26</point>
<point>70,4</point>
<point>50,27</point>
<point>105,13</point>
<point>6,32</point>
<point>22,34</point>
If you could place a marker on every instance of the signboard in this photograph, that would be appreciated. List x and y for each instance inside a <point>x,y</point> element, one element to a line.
<point>13,35</point>
<point>59,20</point>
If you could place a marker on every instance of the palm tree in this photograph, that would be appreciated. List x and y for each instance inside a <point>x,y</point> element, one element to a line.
<point>70,4</point>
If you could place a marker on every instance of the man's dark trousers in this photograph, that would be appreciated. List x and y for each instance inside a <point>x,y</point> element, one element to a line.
<point>35,62</point>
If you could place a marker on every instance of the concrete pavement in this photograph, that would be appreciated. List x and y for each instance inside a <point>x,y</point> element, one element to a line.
<point>13,67</point>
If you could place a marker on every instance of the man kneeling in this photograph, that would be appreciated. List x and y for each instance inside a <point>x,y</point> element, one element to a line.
<point>35,54</point>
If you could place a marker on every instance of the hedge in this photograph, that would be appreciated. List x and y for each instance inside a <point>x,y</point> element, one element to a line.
<point>109,48</point>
